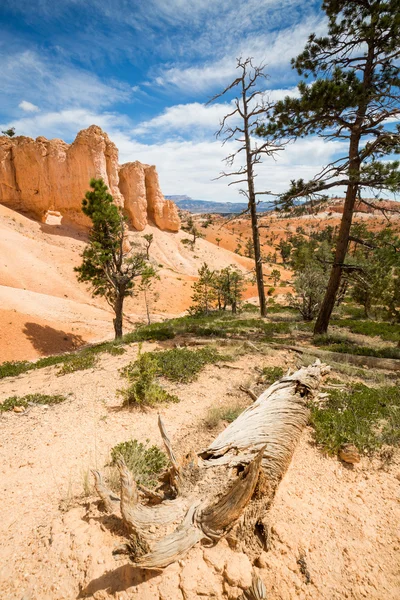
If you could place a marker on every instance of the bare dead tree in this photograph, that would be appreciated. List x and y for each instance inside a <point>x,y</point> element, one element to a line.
<point>237,126</point>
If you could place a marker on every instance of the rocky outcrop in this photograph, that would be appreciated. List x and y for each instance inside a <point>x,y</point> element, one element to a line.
<point>42,176</point>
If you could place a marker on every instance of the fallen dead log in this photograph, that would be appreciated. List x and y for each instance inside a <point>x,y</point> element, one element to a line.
<point>374,362</point>
<point>225,489</point>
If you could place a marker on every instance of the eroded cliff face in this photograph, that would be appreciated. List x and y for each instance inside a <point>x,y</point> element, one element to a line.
<point>38,176</point>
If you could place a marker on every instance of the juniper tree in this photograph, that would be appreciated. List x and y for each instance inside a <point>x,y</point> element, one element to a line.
<point>147,280</point>
<point>353,98</point>
<point>149,238</point>
<point>108,266</point>
<point>204,293</point>
<point>248,106</point>
<point>191,228</point>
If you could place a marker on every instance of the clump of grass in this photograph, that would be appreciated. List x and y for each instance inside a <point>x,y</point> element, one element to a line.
<point>143,390</point>
<point>248,307</point>
<point>337,344</point>
<point>386,331</point>
<point>144,461</point>
<point>271,374</point>
<point>181,364</point>
<point>78,362</point>
<point>116,350</point>
<point>25,401</point>
<point>363,416</point>
<point>216,414</point>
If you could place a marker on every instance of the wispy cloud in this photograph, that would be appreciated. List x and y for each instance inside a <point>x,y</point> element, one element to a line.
<point>28,106</point>
<point>55,84</point>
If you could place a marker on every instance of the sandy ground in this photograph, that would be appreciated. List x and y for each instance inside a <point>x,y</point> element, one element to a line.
<point>55,545</point>
<point>45,310</point>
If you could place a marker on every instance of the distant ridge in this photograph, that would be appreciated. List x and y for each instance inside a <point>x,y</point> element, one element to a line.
<point>208,206</point>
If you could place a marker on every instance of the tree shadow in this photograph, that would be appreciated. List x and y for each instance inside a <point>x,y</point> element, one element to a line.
<point>118,580</point>
<point>67,229</point>
<point>48,340</point>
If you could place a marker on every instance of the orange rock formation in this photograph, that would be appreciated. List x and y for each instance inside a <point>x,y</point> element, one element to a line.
<point>42,176</point>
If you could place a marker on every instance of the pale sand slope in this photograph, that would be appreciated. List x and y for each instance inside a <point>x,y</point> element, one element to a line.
<point>43,308</point>
<point>344,521</point>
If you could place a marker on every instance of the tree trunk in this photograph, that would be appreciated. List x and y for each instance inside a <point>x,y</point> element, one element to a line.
<point>328,303</point>
<point>118,307</point>
<point>223,491</point>
<point>253,209</point>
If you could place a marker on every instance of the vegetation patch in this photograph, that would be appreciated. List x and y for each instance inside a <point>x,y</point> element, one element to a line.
<point>180,364</point>
<point>386,331</point>
<point>363,416</point>
<point>25,401</point>
<point>271,374</point>
<point>144,461</point>
<point>335,344</point>
<point>78,362</point>
<point>143,390</point>
<point>216,414</point>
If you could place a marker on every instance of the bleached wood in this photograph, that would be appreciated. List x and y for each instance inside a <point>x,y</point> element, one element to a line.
<point>229,488</point>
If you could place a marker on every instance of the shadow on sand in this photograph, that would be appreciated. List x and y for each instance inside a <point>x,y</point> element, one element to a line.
<point>118,580</point>
<point>48,340</point>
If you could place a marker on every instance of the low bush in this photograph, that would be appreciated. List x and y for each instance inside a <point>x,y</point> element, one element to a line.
<point>143,390</point>
<point>179,364</point>
<point>386,331</point>
<point>144,461</point>
<point>25,401</point>
<point>336,344</point>
<point>363,416</point>
<point>271,374</point>
<point>78,362</point>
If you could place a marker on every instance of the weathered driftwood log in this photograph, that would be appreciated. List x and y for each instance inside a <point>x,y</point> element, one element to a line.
<point>225,489</point>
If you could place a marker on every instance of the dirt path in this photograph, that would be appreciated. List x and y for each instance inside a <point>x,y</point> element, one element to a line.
<point>344,522</point>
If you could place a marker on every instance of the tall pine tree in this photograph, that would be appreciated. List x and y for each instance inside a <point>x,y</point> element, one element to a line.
<point>108,266</point>
<point>353,98</point>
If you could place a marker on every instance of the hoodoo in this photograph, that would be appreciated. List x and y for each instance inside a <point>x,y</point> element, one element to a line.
<point>38,176</point>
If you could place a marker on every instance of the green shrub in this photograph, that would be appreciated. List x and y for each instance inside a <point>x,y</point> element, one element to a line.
<point>336,344</point>
<point>144,461</point>
<point>24,401</point>
<point>386,331</point>
<point>248,307</point>
<point>180,364</point>
<point>78,362</point>
<point>142,389</point>
<point>271,374</point>
<point>363,416</point>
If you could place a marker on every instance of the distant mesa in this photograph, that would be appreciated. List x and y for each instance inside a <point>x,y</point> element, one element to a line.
<point>49,178</point>
<point>208,206</point>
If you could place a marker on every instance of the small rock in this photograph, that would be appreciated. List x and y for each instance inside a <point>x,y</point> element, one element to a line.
<point>349,454</point>
<point>19,409</point>
<point>152,528</point>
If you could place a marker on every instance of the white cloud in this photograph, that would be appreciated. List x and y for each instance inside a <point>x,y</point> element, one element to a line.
<point>28,106</point>
<point>185,118</point>
<point>65,123</point>
<point>188,167</point>
<point>56,85</point>
<point>274,49</point>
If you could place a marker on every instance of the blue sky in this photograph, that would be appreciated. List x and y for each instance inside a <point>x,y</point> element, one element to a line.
<point>143,71</point>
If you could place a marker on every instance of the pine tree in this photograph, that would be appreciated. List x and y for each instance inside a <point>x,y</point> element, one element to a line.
<point>354,98</point>
<point>107,265</point>
<point>204,293</point>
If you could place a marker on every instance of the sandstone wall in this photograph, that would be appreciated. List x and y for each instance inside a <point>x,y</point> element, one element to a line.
<point>37,176</point>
